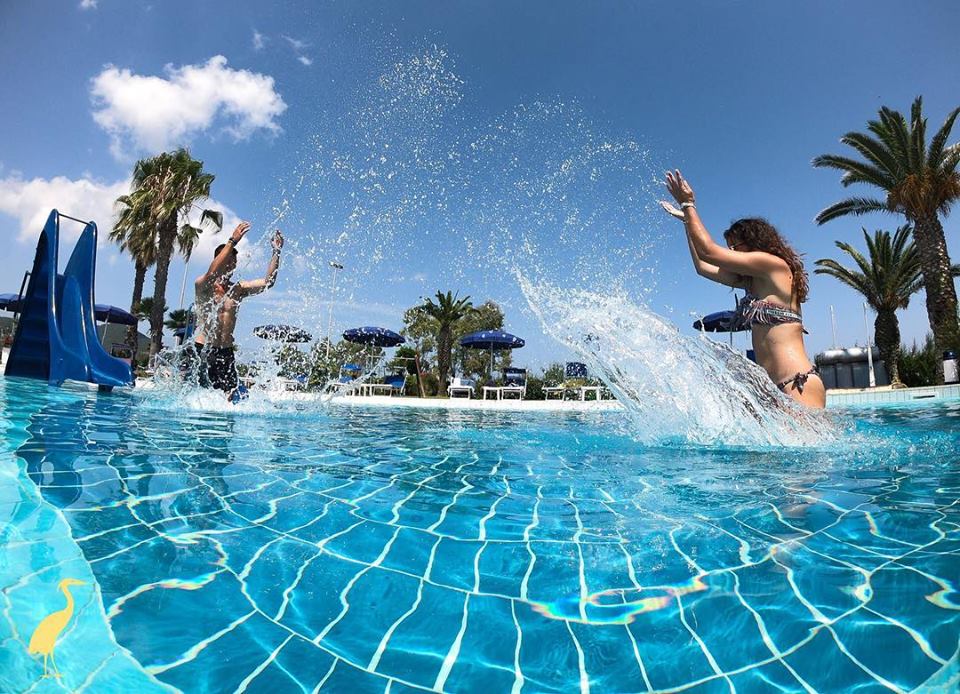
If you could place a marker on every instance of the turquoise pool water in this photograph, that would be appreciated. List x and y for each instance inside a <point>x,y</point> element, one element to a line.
<point>305,548</point>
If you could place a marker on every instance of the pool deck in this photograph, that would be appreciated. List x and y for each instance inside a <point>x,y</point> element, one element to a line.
<point>849,397</point>
<point>884,395</point>
<point>511,405</point>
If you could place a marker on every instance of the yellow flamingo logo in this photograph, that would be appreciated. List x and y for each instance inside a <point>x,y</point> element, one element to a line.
<point>45,636</point>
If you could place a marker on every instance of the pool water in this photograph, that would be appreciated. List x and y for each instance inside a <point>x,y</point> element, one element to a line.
<point>302,548</point>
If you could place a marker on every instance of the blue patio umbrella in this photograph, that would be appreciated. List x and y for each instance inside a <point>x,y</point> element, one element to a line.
<point>719,322</point>
<point>369,335</point>
<point>493,340</point>
<point>113,314</point>
<point>282,333</point>
<point>10,302</point>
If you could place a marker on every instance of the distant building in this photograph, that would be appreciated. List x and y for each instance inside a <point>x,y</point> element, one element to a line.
<point>850,368</point>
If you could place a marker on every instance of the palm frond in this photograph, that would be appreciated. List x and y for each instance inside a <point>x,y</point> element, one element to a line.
<point>855,171</point>
<point>899,135</point>
<point>875,152</point>
<point>187,239</point>
<point>918,133</point>
<point>939,141</point>
<point>854,206</point>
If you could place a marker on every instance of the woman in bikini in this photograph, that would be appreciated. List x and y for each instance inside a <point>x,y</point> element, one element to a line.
<point>757,259</point>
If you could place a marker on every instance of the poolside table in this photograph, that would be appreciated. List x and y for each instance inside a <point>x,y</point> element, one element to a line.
<point>491,389</point>
<point>372,388</point>
<point>598,391</point>
<point>550,390</point>
<point>520,391</point>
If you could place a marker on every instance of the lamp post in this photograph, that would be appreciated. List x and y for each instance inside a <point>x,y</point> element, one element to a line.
<point>866,328</point>
<point>333,293</point>
<point>833,324</point>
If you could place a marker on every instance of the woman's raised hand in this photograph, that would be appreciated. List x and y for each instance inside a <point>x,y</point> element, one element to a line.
<point>679,188</point>
<point>671,209</point>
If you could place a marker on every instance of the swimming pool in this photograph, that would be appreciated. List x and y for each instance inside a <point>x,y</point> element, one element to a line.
<point>355,549</point>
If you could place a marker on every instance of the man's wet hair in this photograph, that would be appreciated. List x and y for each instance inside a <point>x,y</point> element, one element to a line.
<point>219,248</point>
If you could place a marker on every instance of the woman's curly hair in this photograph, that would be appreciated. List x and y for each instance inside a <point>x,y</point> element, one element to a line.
<point>756,234</point>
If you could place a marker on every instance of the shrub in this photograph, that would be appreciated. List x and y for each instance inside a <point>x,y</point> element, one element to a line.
<point>431,384</point>
<point>918,365</point>
<point>534,388</point>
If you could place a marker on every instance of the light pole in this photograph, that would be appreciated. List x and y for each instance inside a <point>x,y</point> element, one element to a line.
<point>866,328</point>
<point>833,324</point>
<point>333,293</point>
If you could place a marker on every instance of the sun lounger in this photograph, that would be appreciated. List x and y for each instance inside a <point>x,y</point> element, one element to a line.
<point>515,383</point>
<point>463,386</point>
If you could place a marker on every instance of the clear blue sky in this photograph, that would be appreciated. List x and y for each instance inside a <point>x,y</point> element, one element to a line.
<point>740,95</point>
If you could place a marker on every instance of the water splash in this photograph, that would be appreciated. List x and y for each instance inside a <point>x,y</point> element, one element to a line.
<point>406,175</point>
<point>675,389</point>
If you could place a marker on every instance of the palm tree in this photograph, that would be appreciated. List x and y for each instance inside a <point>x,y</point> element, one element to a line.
<point>177,319</point>
<point>144,308</point>
<point>164,190</point>
<point>887,277</point>
<point>920,182</point>
<point>446,313</point>
<point>135,233</point>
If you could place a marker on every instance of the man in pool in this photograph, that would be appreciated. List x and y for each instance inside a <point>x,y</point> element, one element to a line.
<point>218,298</point>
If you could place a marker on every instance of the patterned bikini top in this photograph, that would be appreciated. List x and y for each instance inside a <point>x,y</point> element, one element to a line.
<point>752,311</point>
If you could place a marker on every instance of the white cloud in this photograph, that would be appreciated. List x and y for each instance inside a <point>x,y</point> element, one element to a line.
<point>259,40</point>
<point>297,44</point>
<point>88,4</point>
<point>151,113</point>
<point>30,202</point>
<point>299,47</point>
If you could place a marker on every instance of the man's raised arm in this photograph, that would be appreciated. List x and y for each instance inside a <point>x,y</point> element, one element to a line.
<point>220,258</point>
<point>270,279</point>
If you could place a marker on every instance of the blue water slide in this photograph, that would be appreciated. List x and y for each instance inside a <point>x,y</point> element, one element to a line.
<point>56,336</point>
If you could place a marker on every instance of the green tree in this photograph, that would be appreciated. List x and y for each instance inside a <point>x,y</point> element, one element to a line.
<point>475,363</point>
<point>136,234</point>
<point>918,364</point>
<point>920,182</point>
<point>887,276</point>
<point>164,190</point>
<point>322,370</point>
<point>555,374</point>
<point>446,313</point>
<point>420,330</point>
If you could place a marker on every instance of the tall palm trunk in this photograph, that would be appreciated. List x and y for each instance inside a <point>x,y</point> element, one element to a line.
<point>444,347</point>
<point>887,335</point>
<point>939,286</point>
<point>167,233</point>
<point>138,278</point>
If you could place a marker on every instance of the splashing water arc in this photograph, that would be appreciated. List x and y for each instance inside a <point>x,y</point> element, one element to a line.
<point>675,389</point>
